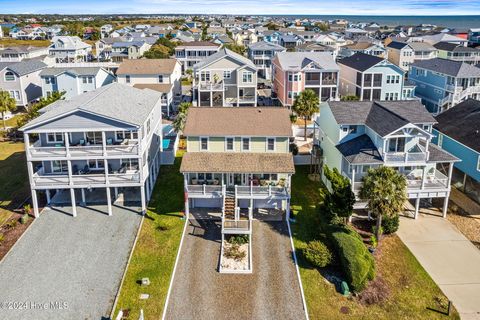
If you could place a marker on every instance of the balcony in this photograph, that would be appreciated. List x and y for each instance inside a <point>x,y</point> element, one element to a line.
<point>205,191</point>
<point>210,86</point>
<point>41,179</point>
<point>405,157</point>
<point>124,149</point>
<point>260,191</point>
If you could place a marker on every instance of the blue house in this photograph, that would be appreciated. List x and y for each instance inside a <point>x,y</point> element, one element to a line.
<point>442,83</point>
<point>458,132</point>
<point>474,37</point>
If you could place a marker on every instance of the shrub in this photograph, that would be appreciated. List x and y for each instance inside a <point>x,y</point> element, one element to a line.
<point>293,149</point>
<point>390,224</point>
<point>24,218</point>
<point>27,208</point>
<point>233,252</point>
<point>238,240</point>
<point>317,254</point>
<point>11,224</point>
<point>357,263</point>
<point>2,237</point>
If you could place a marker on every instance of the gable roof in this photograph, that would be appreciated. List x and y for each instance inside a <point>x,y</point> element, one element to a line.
<point>76,71</point>
<point>454,47</point>
<point>115,101</point>
<point>296,61</point>
<point>449,67</point>
<point>263,45</point>
<point>361,61</point>
<point>147,66</point>
<point>271,121</point>
<point>462,123</point>
<point>25,66</point>
<point>383,117</point>
<point>360,150</point>
<point>222,53</point>
<point>198,44</point>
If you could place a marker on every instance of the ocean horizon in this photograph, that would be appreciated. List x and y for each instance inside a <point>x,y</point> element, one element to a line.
<point>463,21</point>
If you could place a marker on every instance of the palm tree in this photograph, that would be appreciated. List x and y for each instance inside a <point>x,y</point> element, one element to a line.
<point>7,104</point>
<point>179,122</point>
<point>385,190</point>
<point>305,105</point>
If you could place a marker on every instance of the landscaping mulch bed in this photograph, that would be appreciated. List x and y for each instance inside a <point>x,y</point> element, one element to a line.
<point>12,234</point>
<point>469,226</point>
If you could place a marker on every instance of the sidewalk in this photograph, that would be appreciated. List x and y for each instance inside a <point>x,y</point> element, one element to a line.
<point>452,260</point>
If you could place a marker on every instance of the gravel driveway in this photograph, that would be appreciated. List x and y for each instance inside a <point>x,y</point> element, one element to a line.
<point>272,291</point>
<point>68,268</point>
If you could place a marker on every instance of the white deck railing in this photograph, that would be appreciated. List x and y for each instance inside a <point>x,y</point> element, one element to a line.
<point>85,179</point>
<point>80,151</point>
<point>260,191</point>
<point>405,157</point>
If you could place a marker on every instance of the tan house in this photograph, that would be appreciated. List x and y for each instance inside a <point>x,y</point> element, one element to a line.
<point>162,75</point>
<point>237,168</point>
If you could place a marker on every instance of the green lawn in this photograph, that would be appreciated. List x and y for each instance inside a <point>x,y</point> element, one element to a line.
<point>13,178</point>
<point>156,248</point>
<point>9,42</point>
<point>412,290</point>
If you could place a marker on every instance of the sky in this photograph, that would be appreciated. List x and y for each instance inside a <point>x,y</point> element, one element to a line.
<point>307,7</point>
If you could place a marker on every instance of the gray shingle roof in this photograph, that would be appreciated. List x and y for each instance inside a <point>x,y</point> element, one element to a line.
<point>449,67</point>
<point>117,101</point>
<point>397,45</point>
<point>263,45</point>
<point>77,71</point>
<point>361,61</point>
<point>26,66</point>
<point>360,150</point>
<point>383,117</point>
<point>462,123</point>
<point>296,61</point>
<point>439,155</point>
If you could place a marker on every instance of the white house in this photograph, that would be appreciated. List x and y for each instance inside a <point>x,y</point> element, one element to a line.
<point>69,49</point>
<point>107,141</point>
<point>74,81</point>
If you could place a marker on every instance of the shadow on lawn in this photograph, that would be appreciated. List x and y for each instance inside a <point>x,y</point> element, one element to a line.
<point>13,181</point>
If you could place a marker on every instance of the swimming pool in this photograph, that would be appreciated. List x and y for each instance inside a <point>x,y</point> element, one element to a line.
<point>166,143</point>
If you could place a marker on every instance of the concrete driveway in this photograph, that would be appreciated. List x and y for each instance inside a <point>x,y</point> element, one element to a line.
<point>452,260</point>
<point>68,268</point>
<point>272,291</point>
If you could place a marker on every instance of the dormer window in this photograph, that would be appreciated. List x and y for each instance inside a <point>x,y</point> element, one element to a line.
<point>9,76</point>
<point>247,77</point>
<point>160,79</point>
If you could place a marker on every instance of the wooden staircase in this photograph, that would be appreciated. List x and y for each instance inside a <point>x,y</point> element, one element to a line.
<point>229,205</point>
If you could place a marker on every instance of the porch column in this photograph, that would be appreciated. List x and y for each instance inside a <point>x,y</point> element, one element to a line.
<point>353,179</point>
<point>84,202</point>
<point>424,175</point>
<point>450,172</point>
<point>47,193</point>
<point>187,207</point>
<point>35,203</point>
<point>417,207</point>
<point>109,201</point>
<point>288,209</point>
<point>143,200</point>
<point>105,165</point>
<point>238,96</point>
<point>445,205</point>
<point>116,192</point>
<point>74,204</point>
<point>67,143</point>
<point>26,140</point>
<point>69,167</point>
<point>104,143</point>
<point>255,103</point>
<point>211,98</point>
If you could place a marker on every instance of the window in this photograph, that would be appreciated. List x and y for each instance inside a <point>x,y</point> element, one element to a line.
<point>204,144</point>
<point>205,76</point>
<point>50,80</point>
<point>271,144</point>
<point>388,79</point>
<point>353,129</point>
<point>396,145</point>
<point>122,135</point>
<point>294,77</point>
<point>96,164</point>
<point>84,79</point>
<point>127,79</point>
<point>426,127</point>
<point>440,139</point>
<point>9,76</point>
<point>229,144</point>
<point>94,137</point>
<point>129,164</point>
<point>54,137</point>
<point>292,94</point>
<point>148,126</point>
<point>227,74</point>
<point>59,166</point>
<point>245,144</point>
<point>247,77</point>
<point>345,129</point>
<point>160,79</point>
<point>15,95</point>
<point>478,163</point>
